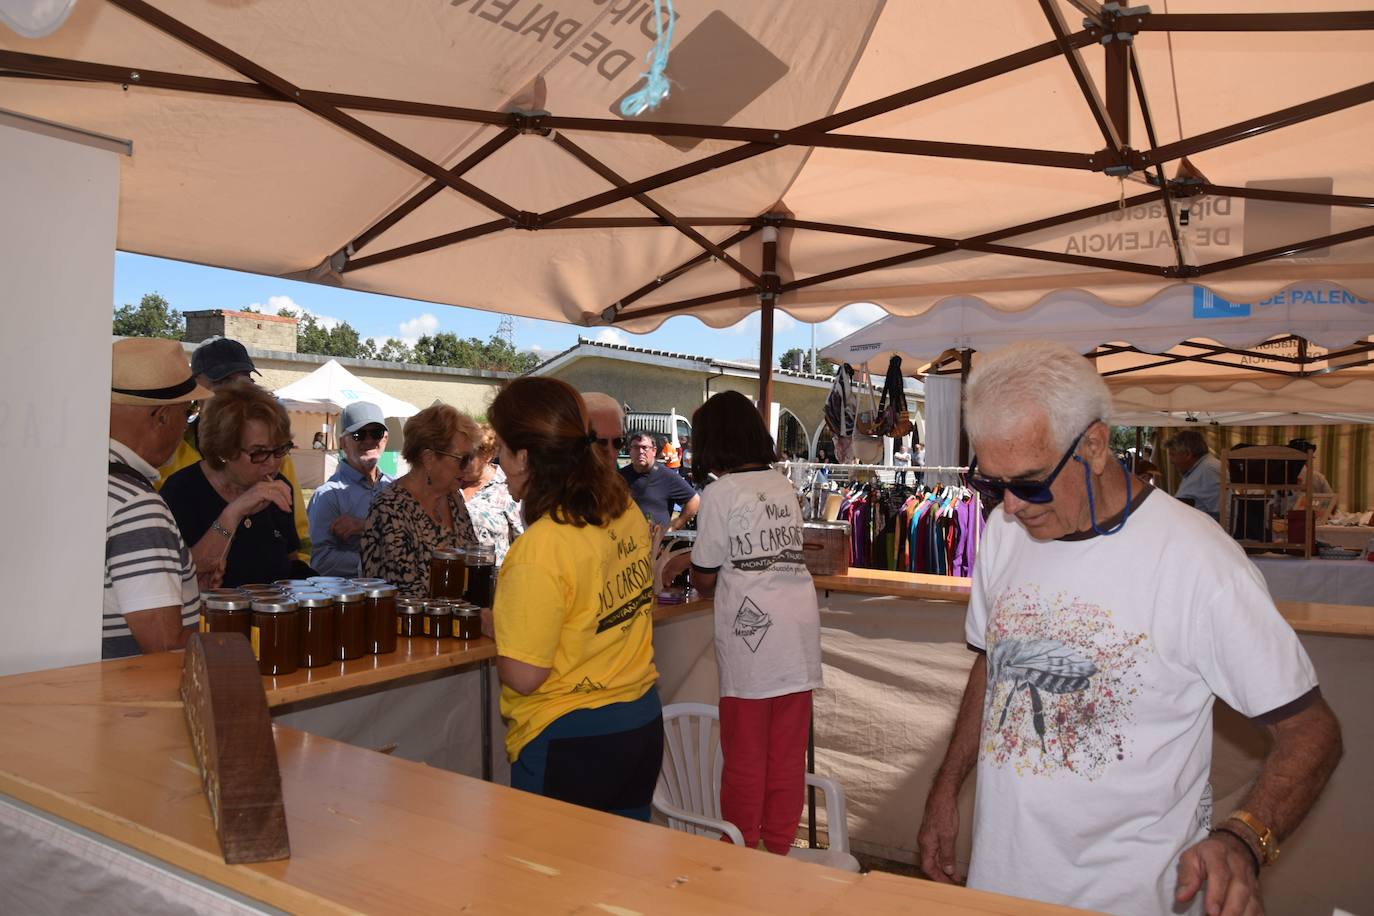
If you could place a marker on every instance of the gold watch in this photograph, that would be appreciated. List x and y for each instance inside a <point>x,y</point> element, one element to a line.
<point>1268,845</point>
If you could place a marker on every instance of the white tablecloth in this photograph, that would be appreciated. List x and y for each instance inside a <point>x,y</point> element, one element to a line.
<point>1354,537</point>
<point>1322,581</point>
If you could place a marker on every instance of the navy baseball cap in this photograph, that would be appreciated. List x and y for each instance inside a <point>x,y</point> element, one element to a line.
<point>220,357</point>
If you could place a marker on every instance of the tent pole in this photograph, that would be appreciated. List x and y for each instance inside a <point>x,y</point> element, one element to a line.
<point>965,364</point>
<point>768,294</point>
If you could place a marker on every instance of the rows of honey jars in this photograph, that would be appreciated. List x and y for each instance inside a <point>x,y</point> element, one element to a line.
<point>464,574</point>
<point>437,618</point>
<point>306,622</point>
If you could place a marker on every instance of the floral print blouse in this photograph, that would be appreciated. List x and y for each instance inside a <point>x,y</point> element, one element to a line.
<point>496,515</point>
<point>399,538</point>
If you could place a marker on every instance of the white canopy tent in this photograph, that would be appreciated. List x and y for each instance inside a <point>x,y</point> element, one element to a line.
<point>332,385</point>
<point>1301,356</point>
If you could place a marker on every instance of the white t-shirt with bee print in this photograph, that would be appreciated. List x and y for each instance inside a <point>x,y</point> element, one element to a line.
<point>1104,655</point>
<point>749,532</point>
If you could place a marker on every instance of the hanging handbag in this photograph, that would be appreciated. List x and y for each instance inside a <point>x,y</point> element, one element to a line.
<point>895,417</point>
<point>869,422</point>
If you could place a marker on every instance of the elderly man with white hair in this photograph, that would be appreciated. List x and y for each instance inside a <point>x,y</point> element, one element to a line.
<point>152,601</point>
<point>1107,617</point>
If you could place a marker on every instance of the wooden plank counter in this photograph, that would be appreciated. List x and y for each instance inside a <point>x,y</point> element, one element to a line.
<point>1304,617</point>
<point>104,748</point>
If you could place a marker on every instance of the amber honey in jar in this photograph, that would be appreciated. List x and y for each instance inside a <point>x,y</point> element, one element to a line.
<point>317,628</point>
<point>447,573</point>
<point>379,610</point>
<point>276,635</point>
<point>225,611</point>
<point>481,565</point>
<point>467,622</point>
<point>410,615</point>
<point>350,622</point>
<point>438,619</point>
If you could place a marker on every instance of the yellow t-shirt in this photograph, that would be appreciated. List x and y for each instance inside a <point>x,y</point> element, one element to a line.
<point>187,454</point>
<point>578,601</point>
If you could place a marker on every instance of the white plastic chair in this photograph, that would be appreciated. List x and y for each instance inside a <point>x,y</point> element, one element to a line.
<point>688,790</point>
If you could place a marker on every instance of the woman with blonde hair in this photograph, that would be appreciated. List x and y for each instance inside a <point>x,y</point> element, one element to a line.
<point>234,507</point>
<point>572,618</point>
<point>423,509</point>
<point>495,513</point>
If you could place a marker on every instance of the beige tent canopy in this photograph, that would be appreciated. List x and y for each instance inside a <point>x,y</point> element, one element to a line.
<point>812,153</point>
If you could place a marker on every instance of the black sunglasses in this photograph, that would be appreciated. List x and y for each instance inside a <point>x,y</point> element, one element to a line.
<point>461,459</point>
<point>370,433</point>
<point>1030,491</point>
<point>260,455</point>
<point>618,442</point>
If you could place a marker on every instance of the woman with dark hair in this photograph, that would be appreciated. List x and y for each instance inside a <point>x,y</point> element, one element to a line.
<point>572,618</point>
<point>233,506</point>
<point>423,509</point>
<point>748,554</point>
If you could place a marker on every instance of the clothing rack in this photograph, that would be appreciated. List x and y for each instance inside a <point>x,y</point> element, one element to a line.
<point>917,468</point>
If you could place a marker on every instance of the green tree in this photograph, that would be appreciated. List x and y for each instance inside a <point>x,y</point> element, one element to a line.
<point>395,351</point>
<point>340,340</point>
<point>448,349</point>
<point>153,317</point>
<point>799,360</point>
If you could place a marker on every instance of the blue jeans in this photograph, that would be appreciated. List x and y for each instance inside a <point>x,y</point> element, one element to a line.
<point>606,758</point>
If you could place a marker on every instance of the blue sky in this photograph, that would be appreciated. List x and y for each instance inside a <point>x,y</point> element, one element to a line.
<point>189,287</point>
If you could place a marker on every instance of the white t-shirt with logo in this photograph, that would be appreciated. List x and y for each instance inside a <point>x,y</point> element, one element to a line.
<point>1104,655</point>
<point>749,530</point>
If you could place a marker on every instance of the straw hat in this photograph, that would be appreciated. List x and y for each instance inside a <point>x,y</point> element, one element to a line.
<point>152,371</point>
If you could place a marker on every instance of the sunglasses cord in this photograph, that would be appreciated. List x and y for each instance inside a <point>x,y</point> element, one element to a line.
<point>1092,509</point>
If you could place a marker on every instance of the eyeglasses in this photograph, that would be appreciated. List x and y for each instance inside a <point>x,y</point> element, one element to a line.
<point>1030,491</point>
<point>461,459</point>
<point>370,433</point>
<point>260,455</point>
<point>644,447</point>
<point>618,442</point>
<point>192,410</point>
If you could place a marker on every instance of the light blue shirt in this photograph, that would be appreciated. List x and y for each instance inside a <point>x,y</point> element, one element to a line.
<point>347,492</point>
<point>1202,483</point>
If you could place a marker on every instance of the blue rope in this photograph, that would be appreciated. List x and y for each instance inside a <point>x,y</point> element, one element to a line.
<point>1092,509</point>
<point>655,88</point>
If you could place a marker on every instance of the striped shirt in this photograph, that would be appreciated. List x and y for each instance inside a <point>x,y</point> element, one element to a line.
<point>147,564</point>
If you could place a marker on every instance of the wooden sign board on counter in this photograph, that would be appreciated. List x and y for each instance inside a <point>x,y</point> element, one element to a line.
<point>231,731</point>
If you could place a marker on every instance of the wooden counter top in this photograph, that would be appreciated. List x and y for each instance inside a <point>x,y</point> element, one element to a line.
<point>372,833</point>
<point>1304,617</point>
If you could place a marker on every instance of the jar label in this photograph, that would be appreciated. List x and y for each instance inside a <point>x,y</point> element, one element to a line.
<point>204,624</point>
<point>253,637</point>
<point>426,626</point>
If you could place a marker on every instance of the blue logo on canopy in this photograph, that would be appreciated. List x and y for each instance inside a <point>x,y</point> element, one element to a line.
<point>1207,304</point>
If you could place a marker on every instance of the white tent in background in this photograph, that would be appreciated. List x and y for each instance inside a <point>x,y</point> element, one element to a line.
<point>332,384</point>
<point>1184,354</point>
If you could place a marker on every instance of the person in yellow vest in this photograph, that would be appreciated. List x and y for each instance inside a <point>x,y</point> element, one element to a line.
<point>219,361</point>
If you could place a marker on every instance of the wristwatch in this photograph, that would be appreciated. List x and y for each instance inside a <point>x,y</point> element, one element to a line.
<point>1268,844</point>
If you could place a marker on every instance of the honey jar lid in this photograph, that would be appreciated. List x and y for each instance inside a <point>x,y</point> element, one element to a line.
<point>327,580</point>
<point>466,611</point>
<point>481,553</point>
<point>292,583</point>
<point>345,594</point>
<point>448,553</point>
<point>365,581</point>
<point>438,608</point>
<point>378,589</point>
<point>237,601</point>
<point>313,599</point>
<point>282,605</point>
<point>410,604</point>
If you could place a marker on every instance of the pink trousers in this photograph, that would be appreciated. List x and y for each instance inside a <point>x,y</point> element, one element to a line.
<point>763,781</point>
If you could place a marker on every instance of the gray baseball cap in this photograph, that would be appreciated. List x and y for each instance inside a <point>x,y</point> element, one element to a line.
<point>360,414</point>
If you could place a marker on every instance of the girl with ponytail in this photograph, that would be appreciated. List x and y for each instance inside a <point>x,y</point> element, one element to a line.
<point>572,617</point>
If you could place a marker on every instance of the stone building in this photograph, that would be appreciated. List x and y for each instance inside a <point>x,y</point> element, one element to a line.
<point>658,381</point>
<point>266,332</point>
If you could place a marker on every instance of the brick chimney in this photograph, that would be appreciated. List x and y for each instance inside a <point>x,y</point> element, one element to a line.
<point>265,332</point>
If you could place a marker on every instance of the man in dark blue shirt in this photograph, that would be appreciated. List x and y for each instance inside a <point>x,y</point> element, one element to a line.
<point>655,488</point>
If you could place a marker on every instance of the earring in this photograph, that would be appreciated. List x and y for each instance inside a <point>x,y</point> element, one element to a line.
<point>429,482</point>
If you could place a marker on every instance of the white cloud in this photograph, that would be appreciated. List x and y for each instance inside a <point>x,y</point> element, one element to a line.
<point>276,303</point>
<point>846,321</point>
<point>412,330</point>
<point>611,336</point>
<point>782,324</point>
